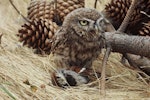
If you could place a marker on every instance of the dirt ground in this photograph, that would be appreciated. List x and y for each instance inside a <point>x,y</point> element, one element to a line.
<point>18,65</point>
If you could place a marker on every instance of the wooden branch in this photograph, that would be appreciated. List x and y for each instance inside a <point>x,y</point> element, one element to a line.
<point>103,72</point>
<point>138,62</point>
<point>126,20</point>
<point>121,43</point>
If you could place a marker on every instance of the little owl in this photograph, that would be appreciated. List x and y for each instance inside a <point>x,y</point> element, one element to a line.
<point>80,39</point>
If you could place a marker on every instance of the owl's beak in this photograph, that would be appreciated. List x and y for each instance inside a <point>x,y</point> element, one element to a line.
<point>95,29</point>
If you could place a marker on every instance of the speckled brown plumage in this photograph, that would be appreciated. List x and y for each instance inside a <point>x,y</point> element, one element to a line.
<point>80,39</point>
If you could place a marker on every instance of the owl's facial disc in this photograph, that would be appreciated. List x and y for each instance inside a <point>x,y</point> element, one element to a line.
<point>87,29</point>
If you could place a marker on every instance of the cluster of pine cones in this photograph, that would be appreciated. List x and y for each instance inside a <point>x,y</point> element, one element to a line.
<point>44,18</point>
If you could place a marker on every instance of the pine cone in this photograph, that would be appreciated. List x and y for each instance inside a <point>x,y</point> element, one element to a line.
<point>44,9</point>
<point>41,9</point>
<point>116,11</point>
<point>38,34</point>
<point>145,30</point>
<point>66,6</point>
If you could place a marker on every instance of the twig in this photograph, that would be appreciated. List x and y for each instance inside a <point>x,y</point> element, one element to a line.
<point>1,34</point>
<point>57,17</point>
<point>126,20</point>
<point>109,28</point>
<point>103,73</point>
<point>142,12</point>
<point>95,4</point>
<point>11,2</point>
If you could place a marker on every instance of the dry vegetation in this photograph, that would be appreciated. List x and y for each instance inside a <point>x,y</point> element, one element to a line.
<point>18,64</point>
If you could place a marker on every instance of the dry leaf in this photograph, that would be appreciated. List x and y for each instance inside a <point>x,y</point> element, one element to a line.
<point>33,88</point>
<point>26,82</point>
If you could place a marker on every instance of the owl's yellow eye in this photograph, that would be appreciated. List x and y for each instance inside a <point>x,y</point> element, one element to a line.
<point>83,22</point>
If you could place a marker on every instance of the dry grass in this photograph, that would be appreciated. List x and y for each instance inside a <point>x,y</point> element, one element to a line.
<point>18,63</point>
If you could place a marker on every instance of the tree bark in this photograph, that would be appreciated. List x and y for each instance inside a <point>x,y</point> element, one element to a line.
<point>138,45</point>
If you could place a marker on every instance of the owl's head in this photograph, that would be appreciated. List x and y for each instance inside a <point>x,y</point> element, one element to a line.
<point>87,23</point>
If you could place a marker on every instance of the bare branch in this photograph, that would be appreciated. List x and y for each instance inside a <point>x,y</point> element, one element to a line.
<point>11,2</point>
<point>138,62</point>
<point>126,20</point>
<point>122,28</point>
<point>138,45</point>
<point>103,72</point>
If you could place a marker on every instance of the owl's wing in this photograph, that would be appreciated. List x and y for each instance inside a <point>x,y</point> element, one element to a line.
<point>58,39</point>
